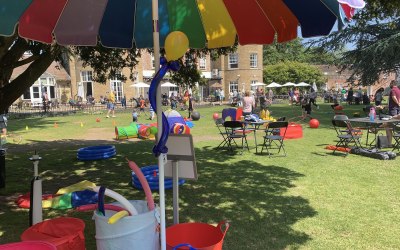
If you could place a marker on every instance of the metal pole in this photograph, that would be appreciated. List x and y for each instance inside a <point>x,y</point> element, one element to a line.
<point>35,211</point>
<point>162,158</point>
<point>175,190</point>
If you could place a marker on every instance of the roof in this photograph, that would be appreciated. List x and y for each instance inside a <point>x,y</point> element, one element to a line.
<point>55,70</point>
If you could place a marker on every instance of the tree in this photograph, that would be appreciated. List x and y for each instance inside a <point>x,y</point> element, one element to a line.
<point>292,72</point>
<point>106,63</point>
<point>295,51</point>
<point>374,37</point>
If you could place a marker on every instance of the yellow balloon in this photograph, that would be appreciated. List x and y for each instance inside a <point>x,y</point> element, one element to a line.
<point>176,45</point>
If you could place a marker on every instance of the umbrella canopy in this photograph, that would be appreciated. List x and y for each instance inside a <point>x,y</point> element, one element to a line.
<point>168,84</point>
<point>314,86</point>
<point>140,85</point>
<point>302,84</point>
<point>146,24</point>
<point>209,24</point>
<point>274,85</point>
<point>256,84</point>
<point>289,84</point>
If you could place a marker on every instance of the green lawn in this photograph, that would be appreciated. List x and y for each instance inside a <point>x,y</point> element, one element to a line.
<point>310,199</point>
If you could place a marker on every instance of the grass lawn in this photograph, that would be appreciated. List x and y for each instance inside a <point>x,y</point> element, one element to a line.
<point>310,199</point>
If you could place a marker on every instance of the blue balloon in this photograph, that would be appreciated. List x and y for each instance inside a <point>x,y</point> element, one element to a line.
<point>160,147</point>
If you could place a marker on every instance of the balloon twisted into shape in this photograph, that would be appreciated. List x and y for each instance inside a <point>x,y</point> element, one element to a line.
<point>160,147</point>
<point>176,45</point>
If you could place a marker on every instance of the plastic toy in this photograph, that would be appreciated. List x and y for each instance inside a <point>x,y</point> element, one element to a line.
<point>215,116</point>
<point>314,123</point>
<point>233,113</point>
<point>195,115</point>
<point>151,175</point>
<point>179,128</point>
<point>96,153</point>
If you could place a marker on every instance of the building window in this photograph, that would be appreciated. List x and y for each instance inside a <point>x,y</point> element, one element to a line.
<point>35,92</point>
<point>233,61</point>
<point>27,94</point>
<point>116,85</point>
<point>253,60</point>
<point>233,86</point>
<point>202,63</point>
<point>254,88</point>
<point>87,83</point>
<point>86,76</point>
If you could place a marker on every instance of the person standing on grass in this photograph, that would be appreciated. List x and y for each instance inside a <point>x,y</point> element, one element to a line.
<point>248,103</point>
<point>190,105</point>
<point>313,97</point>
<point>394,99</point>
<point>379,96</point>
<point>134,115</point>
<point>152,114</point>
<point>111,104</point>
<point>142,105</point>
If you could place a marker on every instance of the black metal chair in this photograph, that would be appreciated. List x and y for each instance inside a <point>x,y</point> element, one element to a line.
<point>236,130</point>
<point>346,137</point>
<point>220,125</point>
<point>396,138</point>
<point>274,140</point>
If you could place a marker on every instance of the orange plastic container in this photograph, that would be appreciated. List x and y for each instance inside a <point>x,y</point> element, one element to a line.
<point>65,233</point>
<point>28,245</point>
<point>294,131</point>
<point>201,236</point>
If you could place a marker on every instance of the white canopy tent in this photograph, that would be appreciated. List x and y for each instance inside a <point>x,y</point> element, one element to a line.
<point>274,85</point>
<point>168,84</point>
<point>288,84</point>
<point>314,86</point>
<point>303,84</point>
<point>257,84</point>
<point>140,85</point>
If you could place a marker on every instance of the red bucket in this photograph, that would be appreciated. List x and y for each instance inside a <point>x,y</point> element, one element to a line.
<point>200,236</point>
<point>65,233</point>
<point>28,245</point>
<point>293,131</point>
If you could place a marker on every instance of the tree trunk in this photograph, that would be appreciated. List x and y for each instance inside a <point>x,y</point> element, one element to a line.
<point>11,91</point>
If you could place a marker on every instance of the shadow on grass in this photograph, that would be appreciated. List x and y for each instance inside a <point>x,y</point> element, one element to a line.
<point>251,196</point>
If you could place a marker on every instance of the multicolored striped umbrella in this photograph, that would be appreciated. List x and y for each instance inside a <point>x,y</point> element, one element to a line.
<point>207,23</point>
<point>146,24</point>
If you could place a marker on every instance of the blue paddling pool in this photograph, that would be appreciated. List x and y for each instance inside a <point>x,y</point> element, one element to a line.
<point>96,153</point>
<point>151,174</point>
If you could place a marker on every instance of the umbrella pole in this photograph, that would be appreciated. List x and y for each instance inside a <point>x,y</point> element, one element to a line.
<point>162,158</point>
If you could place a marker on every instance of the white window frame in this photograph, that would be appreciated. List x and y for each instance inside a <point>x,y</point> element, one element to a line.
<point>253,60</point>
<point>117,86</point>
<point>234,85</point>
<point>87,78</point>
<point>233,61</point>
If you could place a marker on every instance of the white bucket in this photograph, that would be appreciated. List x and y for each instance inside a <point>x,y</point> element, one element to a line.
<point>131,232</point>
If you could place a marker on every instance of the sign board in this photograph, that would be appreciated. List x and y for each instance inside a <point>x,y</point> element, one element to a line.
<point>181,150</point>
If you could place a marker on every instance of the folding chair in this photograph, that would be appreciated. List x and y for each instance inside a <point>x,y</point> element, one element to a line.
<point>273,140</point>
<point>345,137</point>
<point>220,125</point>
<point>396,138</point>
<point>231,129</point>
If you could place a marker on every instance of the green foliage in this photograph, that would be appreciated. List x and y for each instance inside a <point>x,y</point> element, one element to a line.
<point>295,51</point>
<point>292,72</point>
<point>375,39</point>
<point>107,62</point>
